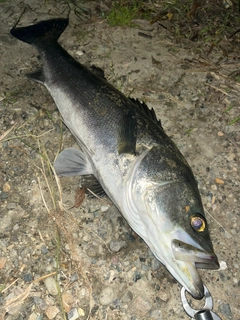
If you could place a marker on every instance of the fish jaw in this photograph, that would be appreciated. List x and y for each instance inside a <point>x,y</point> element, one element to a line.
<point>182,266</point>
<point>191,253</point>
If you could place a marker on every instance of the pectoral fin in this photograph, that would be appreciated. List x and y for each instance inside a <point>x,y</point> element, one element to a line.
<point>72,162</point>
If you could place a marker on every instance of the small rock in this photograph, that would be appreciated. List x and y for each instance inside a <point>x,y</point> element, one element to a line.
<point>137,276</point>
<point>40,303</point>
<point>33,316</point>
<point>73,314</point>
<point>3,195</point>
<point>219,181</point>
<point>44,249</point>
<point>106,296</point>
<point>68,300</point>
<point>141,306</point>
<point>104,208</point>
<point>116,245</point>
<point>16,227</point>
<point>6,187</point>
<point>81,312</point>
<point>27,277</point>
<point>91,252</point>
<point>156,315</point>
<point>225,309</point>
<point>51,286</point>
<point>51,311</point>
<point>163,295</point>
<point>93,207</point>
<point>5,222</point>
<point>11,206</point>
<point>223,265</point>
<point>74,277</point>
<point>131,272</point>
<point>155,264</point>
<point>127,296</point>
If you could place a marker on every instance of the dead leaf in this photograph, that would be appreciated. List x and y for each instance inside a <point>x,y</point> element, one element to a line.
<point>79,197</point>
<point>2,262</point>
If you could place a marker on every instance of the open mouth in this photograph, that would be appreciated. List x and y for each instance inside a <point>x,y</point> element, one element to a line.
<point>202,259</point>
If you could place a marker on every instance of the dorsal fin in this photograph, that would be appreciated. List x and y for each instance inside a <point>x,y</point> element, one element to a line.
<point>150,113</point>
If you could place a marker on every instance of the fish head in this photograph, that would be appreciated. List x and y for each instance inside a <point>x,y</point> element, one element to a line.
<point>168,214</point>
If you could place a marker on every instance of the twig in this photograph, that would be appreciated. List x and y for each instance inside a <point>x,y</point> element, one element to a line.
<point>217,222</point>
<point>207,84</point>
<point>44,277</point>
<point>10,285</point>
<point>7,132</point>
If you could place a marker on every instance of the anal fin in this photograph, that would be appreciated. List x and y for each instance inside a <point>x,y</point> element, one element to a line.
<point>92,186</point>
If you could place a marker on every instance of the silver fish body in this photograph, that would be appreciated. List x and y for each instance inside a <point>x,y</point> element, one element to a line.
<point>124,146</point>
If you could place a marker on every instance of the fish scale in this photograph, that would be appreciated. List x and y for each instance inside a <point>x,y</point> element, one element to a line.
<point>125,148</point>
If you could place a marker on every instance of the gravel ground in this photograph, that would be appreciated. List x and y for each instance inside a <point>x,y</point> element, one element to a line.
<point>59,259</point>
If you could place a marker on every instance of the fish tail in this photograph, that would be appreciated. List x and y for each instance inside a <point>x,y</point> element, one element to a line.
<point>42,33</point>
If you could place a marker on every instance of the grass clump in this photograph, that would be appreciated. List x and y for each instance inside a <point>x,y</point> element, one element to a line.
<point>122,14</point>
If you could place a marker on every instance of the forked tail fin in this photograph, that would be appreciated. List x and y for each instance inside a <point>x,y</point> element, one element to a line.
<point>42,33</point>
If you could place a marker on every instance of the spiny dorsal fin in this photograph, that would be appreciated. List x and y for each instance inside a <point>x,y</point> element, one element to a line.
<point>150,113</point>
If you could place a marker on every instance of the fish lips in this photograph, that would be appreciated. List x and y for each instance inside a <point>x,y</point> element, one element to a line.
<point>200,258</point>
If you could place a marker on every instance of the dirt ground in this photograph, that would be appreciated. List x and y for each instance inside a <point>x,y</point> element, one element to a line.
<point>103,270</point>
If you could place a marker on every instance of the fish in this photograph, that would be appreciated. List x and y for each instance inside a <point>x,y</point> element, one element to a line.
<point>130,158</point>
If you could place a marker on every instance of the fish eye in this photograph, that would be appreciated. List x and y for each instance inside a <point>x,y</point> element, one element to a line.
<point>198,223</point>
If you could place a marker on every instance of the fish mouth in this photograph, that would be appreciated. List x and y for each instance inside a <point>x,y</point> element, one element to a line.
<point>188,258</point>
<point>200,258</point>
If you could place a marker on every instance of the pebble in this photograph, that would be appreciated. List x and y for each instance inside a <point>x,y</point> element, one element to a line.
<point>3,195</point>
<point>33,316</point>
<point>223,265</point>
<point>51,286</point>
<point>74,277</point>
<point>225,309</point>
<point>91,252</point>
<point>40,303</point>
<point>116,245</point>
<point>155,264</point>
<point>16,227</point>
<point>127,296</point>
<point>5,222</point>
<point>141,306</point>
<point>164,295</point>
<point>81,312</point>
<point>67,300</point>
<point>73,314</point>
<point>6,187</point>
<point>44,249</point>
<point>106,296</point>
<point>11,206</point>
<point>156,315</point>
<point>104,208</point>
<point>51,312</point>
<point>27,277</point>
<point>93,208</point>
